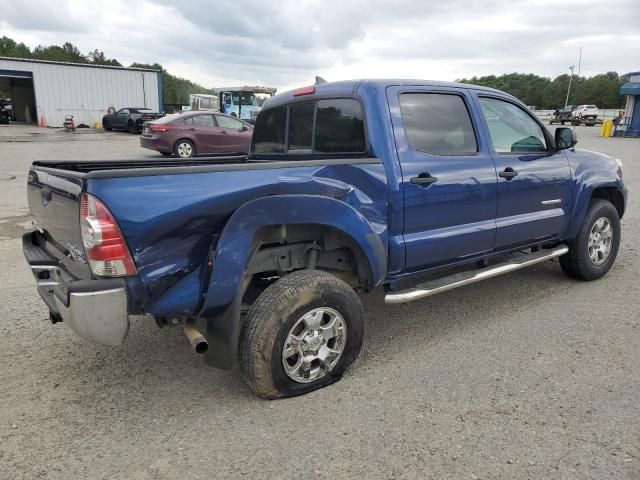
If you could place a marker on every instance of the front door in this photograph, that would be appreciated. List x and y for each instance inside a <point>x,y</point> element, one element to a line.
<point>534,180</point>
<point>236,138</point>
<point>448,177</point>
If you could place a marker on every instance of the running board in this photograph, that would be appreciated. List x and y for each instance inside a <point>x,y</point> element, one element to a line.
<point>467,278</point>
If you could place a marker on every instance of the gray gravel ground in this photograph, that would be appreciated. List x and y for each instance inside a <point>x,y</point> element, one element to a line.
<point>531,375</point>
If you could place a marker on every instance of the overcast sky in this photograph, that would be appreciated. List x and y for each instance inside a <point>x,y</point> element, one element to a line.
<point>286,43</point>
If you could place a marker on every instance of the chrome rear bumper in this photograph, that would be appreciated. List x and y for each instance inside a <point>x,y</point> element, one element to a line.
<point>96,310</point>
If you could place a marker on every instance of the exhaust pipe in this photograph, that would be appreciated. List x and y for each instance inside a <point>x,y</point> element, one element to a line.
<point>196,339</point>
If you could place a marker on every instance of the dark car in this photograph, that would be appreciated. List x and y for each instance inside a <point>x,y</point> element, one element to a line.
<point>202,133</point>
<point>129,118</point>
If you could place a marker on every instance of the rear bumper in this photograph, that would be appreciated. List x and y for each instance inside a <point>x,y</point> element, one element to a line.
<point>153,143</point>
<point>96,310</point>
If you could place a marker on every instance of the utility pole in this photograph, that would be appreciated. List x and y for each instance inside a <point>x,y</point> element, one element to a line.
<point>566,102</point>
<point>579,62</point>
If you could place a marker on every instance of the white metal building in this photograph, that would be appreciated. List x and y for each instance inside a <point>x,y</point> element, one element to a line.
<point>44,90</point>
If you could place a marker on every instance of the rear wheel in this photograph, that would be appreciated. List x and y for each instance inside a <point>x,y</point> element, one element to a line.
<point>301,334</point>
<point>131,126</point>
<point>184,149</point>
<point>593,251</point>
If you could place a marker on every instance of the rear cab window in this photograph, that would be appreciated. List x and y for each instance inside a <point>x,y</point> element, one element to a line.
<point>328,126</point>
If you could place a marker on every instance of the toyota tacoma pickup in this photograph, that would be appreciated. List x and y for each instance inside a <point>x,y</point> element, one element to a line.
<point>414,186</point>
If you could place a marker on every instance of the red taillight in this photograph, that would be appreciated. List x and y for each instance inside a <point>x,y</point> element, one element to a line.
<point>159,128</point>
<point>104,245</point>
<point>304,91</point>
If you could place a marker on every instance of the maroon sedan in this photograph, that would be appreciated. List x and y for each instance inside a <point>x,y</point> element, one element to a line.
<point>197,133</point>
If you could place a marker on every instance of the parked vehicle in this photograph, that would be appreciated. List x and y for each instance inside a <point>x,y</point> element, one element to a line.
<point>129,118</point>
<point>562,115</point>
<point>586,111</point>
<point>189,134</point>
<point>243,102</point>
<point>6,111</point>
<point>202,101</point>
<point>568,115</point>
<point>348,186</point>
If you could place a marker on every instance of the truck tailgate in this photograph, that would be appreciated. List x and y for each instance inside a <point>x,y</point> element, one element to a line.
<point>54,205</point>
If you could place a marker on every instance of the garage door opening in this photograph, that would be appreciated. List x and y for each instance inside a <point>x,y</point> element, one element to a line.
<point>18,96</point>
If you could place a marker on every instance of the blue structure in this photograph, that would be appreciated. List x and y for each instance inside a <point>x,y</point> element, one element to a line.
<point>631,123</point>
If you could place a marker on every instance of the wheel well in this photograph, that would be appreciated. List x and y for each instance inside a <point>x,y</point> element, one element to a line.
<point>613,195</point>
<point>283,249</point>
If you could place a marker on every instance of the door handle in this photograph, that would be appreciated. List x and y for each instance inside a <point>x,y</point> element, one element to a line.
<point>224,132</point>
<point>423,179</point>
<point>508,173</point>
<point>192,129</point>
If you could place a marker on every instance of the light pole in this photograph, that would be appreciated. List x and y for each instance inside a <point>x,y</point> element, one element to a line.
<point>566,102</point>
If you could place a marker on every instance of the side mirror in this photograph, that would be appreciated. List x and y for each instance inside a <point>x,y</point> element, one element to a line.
<point>565,138</point>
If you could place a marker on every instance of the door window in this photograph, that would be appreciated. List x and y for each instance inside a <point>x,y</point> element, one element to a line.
<point>123,111</point>
<point>228,122</point>
<point>203,121</point>
<point>512,129</point>
<point>438,123</point>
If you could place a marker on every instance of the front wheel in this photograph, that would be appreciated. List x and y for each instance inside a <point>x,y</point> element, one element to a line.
<point>593,251</point>
<point>301,334</point>
<point>106,125</point>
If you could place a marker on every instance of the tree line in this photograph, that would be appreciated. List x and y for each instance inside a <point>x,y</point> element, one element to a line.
<point>174,89</point>
<point>544,93</point>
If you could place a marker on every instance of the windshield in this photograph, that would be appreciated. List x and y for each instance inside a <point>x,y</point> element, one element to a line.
<point>247,99</point>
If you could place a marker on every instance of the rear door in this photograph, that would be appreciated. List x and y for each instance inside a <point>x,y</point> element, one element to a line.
<point>534,180</point>
<point>205,132</point>
<point>448,176</point>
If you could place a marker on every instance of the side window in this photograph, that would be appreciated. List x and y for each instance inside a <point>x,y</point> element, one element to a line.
<point>301,127</point>
<point>438,123</point>
<point>188,121</point>
<point>228,122</point>
<point>512,129</point>
<point>269,131</point>
<point>339,127</point>
<point>123,111</point>
<point>203,121</point>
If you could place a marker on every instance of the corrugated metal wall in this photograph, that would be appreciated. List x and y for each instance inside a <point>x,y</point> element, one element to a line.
<point>86,92</point>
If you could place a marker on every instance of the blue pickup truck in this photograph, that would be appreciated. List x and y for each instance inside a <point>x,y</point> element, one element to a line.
<point>414,186</point>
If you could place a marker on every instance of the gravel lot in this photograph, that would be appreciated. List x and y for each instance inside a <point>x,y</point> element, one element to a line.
<point>530,375</point>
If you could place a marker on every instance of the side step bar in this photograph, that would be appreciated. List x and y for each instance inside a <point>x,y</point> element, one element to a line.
<point>466,278</point>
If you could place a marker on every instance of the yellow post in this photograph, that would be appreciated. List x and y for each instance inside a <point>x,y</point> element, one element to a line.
<point>608,131</point>
<point>603,128</point>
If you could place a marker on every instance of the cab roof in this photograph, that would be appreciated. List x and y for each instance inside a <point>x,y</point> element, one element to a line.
<point>350,87</point>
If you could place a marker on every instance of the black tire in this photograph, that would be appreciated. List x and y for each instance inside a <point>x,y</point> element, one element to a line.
<point>106,125</point>
<point>184,152</point>
<point>577,263</point>
<point>276,311</point>
<point>131,126</point>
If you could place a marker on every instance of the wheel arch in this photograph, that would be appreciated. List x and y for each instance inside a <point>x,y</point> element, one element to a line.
<point>613,195</point>
<point>242,239</point>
